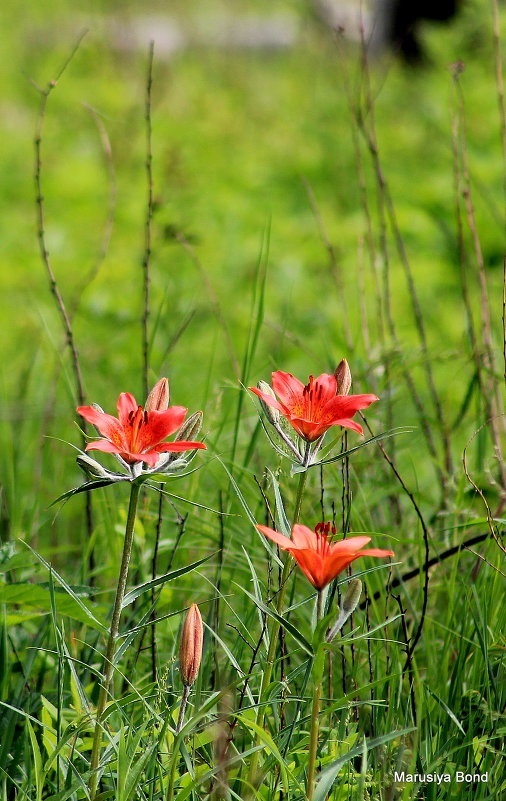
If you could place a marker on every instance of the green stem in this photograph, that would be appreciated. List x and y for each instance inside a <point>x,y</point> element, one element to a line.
<point>182,708</point>
<point>315,715</point>
<point>274,632</point>
<point>111,642</point>
<point>175,759</point>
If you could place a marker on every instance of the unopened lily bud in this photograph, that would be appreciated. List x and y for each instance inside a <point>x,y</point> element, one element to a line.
<point>343,378</point>
<point>91,467</point>
<point>271,413</point>
<point>350,603</point>
<point>190,649</point>
<point>190,428</point>
<point>158,398</point>
<point>352,596</point>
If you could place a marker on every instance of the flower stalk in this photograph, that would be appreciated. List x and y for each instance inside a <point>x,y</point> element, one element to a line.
<point>274,633</point>
<point>111,642</point>
<point>314,731</point>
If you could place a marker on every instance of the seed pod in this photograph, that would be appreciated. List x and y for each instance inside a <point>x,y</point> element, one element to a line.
<point>158,398</point>
<point>343,378</point>
<point>350,603</point>
<point>93,468</point>
<point>352,596</point>
<point>190,428</point>
<point>271,414</point>
<point>190,649</point>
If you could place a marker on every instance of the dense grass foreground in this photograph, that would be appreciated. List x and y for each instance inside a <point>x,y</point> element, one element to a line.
<point>216,217</point>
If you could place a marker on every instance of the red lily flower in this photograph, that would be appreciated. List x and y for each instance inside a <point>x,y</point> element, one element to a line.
<point>319,559</point>
<point>136,434</point>
<point>314,408</point>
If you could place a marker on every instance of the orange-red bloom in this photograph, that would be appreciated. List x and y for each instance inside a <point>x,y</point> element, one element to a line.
<point>136,434</point>
<point>314,408</point>
<point>320,559</point>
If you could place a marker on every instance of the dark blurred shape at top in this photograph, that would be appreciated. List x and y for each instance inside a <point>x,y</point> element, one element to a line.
<point>396,25</point>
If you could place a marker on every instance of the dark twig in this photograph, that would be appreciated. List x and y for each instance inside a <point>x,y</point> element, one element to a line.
<point>46,259</point>
<point>500,91</point>
<point>146,260</point>
<point>435,560</point>
<point>154,563</point>
<point>492,395</point>
<point>369,133</point>
<point>418,633</point>
<point>41,234</point>
<point>364,118</point>
<point>504,317</point>
<point>409,656</point>
<point>490,519</point>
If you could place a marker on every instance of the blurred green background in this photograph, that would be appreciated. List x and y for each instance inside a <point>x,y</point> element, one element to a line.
<point>242,136</point>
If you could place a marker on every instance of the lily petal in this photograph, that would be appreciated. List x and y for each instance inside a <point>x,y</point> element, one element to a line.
<point>375,552</point>
<point>312,565</point>
<point>108,425</point>
<point>288,388</point>
<point>126,404</point>
<point>160,425</point>
<point>350,545</point>
<point>269,400</point>
<point>284,542</point>
<point>303,537</point>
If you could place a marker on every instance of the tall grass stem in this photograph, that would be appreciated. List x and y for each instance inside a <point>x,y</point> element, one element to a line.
<point>274,631</point>
<point>113,633</point>
<point>314,731</point>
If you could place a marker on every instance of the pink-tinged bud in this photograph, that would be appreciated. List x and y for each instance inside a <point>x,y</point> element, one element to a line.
<point>272,415</point>
<point>190,649</point>
<point>158,398</point>
<point>343,378</point>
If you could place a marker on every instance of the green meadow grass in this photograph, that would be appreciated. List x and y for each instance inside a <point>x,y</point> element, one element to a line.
<point>272,248</point>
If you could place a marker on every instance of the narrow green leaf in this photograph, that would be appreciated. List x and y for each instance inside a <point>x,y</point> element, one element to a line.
<point>330,773</point>
<point>233,661</point>
<point>142,588</point>
<point>89,616</point>
<point>87,487</point>
<point>446,709</point>
<point>37,761</point>
<point>283,622</point>
<point>297,468</point>
<point>284,525</point>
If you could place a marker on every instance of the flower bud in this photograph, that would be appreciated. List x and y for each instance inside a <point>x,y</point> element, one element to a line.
<point>343,378</point>
<point>158,398</point>
<point>190,428</point>
<point>352,596</point>
<point>93,468</point>
<point>350,603</point>
<point>272,414</point>
<point>190,649</point>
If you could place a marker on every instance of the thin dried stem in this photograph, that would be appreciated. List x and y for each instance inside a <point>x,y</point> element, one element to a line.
<point>366,122</point>
<point>500,91</point>
<point>504,317</point>
<point>154,565</point>
<point>146,260</point>
<point>46,259</point>
<point>111,208</point>
<point>41,230</point>
<point>426,536</point>
<point>492,395</point>
<point>490,519</point>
